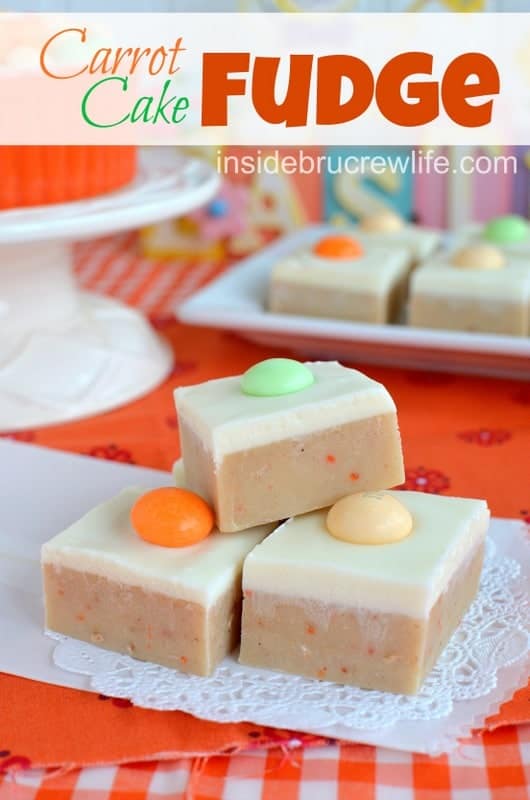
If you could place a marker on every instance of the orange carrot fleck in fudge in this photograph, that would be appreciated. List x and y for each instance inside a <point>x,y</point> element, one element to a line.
<point>281,419</point>
<point>372,576</point>
<point>152,601</point>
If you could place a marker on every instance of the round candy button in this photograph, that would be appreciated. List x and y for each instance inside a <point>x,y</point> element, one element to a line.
<point>369,518</point>
<point>507,230</point>
<point>276,376</point>
<point>172,517</point>
<point>338,247</point>
<point>479,256</point>
<point>382,222</point>
<point>218,208</point>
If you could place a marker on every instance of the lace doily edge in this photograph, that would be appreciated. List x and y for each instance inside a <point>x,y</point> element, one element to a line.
<point>453,738</point>
<point>510,678</point>
<point>450,740</point>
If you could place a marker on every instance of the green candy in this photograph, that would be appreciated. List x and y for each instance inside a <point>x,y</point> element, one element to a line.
<point>507,230</point>
<point>276,376</point>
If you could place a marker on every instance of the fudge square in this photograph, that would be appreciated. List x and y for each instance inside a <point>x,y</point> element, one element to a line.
<point>389,228</point>
<point>341,278</point>
<point>175,606</point>
<point>373,615</point>
<point>286,438</point>
<point>476,288</point>
<point>510,233</point>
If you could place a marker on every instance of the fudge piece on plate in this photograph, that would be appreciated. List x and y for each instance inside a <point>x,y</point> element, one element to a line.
<point>476,288</point>
<point>341,278</point>
<point>510,233</point>
<point>366,594</point>
<point>169,593</point>
<point>389,229</point>
<point>286,438</point>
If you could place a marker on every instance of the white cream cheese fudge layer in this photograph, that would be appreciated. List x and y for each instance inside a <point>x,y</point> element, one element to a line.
<point>176,606</point>
<point>476,288</point>
<point>341,278</point>
<point>389,229</point>
<point>376,615</point>
<point>286,438</point>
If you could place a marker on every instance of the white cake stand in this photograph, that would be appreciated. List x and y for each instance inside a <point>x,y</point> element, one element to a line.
<point>64,353</point>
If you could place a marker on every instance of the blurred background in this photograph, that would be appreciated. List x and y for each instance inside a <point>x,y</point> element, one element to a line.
<point>265,5</point>
<point>138,264</point>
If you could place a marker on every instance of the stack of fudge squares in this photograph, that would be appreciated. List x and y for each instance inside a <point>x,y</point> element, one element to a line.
<point>282,534</point>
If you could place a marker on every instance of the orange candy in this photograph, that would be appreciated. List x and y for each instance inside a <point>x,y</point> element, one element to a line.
<point>172,517</point>
<point>338,246</point>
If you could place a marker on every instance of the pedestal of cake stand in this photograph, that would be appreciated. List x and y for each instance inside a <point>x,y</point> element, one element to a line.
<point>64,353</point>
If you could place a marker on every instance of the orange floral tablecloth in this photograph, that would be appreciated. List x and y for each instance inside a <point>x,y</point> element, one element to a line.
<point>468,436</point>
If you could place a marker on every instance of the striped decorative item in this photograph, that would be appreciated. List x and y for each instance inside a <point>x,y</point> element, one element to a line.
<point>40,175</point>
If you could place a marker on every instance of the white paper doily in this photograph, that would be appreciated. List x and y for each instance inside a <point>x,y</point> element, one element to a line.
<point>487,659</point>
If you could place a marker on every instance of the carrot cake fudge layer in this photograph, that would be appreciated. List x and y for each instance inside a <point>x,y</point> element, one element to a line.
<point>341,278</point>
<point>476,288</point>
<point>287,438</point>
<point>376,615</point>
<point>174,605</point>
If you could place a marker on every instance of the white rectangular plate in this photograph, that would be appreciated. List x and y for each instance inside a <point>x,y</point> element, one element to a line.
<point>236,301</point>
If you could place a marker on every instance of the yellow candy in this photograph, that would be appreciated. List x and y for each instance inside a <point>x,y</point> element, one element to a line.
<point>369,518</point>
<point>383,222</point>
<point>479,256</point>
